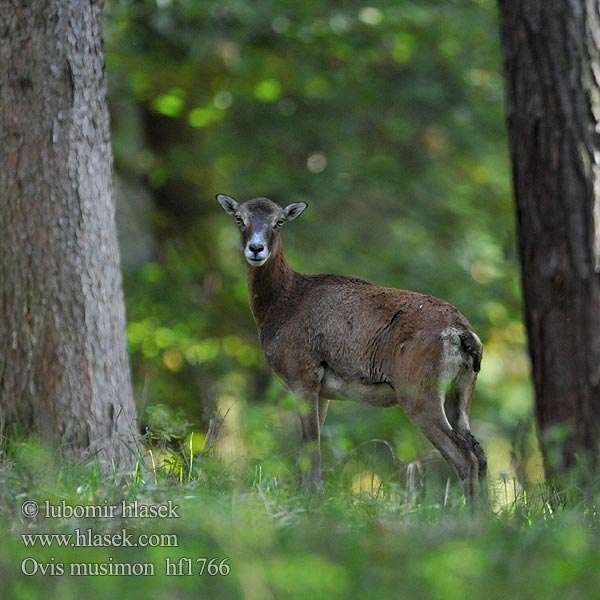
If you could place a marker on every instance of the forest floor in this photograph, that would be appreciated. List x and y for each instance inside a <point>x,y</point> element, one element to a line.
<point>202,530</point>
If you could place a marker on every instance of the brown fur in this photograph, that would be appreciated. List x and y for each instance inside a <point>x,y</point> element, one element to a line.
<point>330,336</point>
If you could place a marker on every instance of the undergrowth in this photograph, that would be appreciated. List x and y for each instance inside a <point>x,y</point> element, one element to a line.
<point>267,540</point>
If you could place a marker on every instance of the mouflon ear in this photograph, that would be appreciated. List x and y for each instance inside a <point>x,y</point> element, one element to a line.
<point>228,204</point>
<point>294,210</point>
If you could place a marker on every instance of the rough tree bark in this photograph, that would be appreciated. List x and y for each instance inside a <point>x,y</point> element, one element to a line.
<point>64,370</point>
<point>552,68</point>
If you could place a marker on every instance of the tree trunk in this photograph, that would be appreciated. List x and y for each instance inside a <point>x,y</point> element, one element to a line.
<point>64,370</point>
<point>552,68</point>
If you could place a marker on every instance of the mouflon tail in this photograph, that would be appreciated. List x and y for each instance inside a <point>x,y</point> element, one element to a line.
<point>471,344</point>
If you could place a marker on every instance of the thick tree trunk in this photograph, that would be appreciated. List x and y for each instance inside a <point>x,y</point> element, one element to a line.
<point>552,68</point>
<point>64,370</point>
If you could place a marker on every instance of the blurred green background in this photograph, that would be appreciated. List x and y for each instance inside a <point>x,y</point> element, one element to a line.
<point>388,120</point>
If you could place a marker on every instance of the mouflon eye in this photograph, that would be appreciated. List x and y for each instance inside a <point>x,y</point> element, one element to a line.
<point>239,220</point>
<point>280,223</point>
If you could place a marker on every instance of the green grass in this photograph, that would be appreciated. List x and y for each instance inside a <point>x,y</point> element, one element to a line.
<point>279,545</point>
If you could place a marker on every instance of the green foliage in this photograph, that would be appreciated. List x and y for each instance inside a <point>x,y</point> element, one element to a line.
<point>355,544</point>
<point>386,119</point>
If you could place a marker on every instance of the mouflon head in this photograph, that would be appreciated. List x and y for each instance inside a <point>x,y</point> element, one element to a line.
<point>259,221</point>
